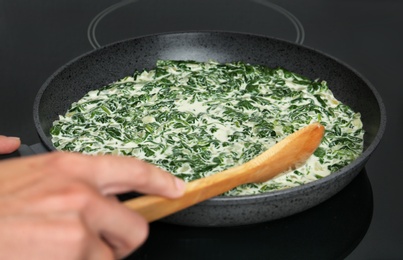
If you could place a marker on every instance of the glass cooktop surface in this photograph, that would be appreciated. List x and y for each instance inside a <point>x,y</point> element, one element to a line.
<point>363,221</point>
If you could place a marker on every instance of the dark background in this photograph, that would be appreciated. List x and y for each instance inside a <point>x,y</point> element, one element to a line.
<point>364,221</point>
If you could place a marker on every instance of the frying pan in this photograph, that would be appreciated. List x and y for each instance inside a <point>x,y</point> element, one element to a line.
<point>110,63</point>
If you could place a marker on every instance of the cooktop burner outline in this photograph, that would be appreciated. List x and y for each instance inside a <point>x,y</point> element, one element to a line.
<point>297,24</point>
<point>91,30</point>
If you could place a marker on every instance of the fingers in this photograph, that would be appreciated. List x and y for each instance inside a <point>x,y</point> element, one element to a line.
<point>86,217</point>
<point>9,144</point>
<point>74,183</point>
<point>122,229</point>
<point>118,174</point>
<point>50,235</point>
<point>102,217</point>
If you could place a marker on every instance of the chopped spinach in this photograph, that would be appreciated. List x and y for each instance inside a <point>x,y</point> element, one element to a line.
<point>197,118</point>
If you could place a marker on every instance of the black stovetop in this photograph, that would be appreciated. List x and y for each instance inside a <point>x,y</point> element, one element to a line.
<point>363,221</point>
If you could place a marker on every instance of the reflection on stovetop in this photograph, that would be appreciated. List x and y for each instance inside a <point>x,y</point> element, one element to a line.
<point>106,26</point>
<point>330,230</point>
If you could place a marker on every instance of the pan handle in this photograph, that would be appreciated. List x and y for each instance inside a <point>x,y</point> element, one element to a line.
<point>26,150</point>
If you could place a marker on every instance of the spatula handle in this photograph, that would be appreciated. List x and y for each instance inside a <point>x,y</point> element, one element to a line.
<point>155,207</point>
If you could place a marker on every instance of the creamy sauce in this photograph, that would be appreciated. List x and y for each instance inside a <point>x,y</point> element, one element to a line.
<point>195,119</point>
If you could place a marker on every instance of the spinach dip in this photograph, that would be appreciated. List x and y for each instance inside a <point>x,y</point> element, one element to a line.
<point>194,119</point>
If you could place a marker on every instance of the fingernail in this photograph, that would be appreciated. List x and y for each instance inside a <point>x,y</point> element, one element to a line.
<point>180,184</point>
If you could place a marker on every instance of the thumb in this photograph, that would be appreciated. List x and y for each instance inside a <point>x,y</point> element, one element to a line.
<point>9,144</point>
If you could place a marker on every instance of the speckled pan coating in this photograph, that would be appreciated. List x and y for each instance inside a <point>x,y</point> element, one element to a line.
<point>100,67</point>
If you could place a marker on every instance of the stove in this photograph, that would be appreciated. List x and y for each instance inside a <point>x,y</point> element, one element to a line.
<point>363,221</point>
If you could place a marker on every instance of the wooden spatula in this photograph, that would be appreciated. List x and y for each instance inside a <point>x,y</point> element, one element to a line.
<point>287,154</point>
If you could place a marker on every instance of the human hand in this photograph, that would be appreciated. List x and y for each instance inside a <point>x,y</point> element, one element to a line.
<point>9,144</point>
<point>60,205</point>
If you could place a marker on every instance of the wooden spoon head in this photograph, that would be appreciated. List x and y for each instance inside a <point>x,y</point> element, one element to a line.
<point>288,154</point>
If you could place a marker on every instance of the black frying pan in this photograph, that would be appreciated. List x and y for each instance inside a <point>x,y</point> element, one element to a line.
<point>105,65</point>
